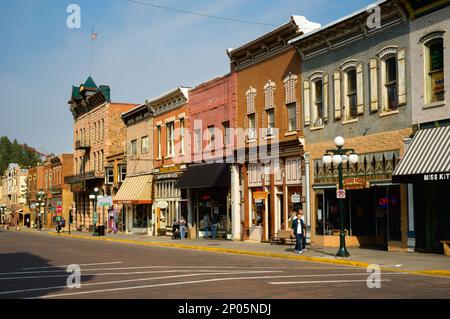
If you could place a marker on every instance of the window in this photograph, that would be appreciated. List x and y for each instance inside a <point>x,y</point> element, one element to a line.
<point>211,136</point>
<point>198,140</point>
<point>122,173</point>
<point>292,116</point>
<point>318,103</point>
<point>435,71</point>
<point>170,139</point>
<point>159,141</point>
<point>50,179</point>
<point>96,159</point>
<point>226,133</point>
<point>269,92</point>
<point>251,126</point>
<point>270,118</point>
<point>102,130</point>
<point>144,145</point>
<point>134,148</point>
<point>182,136</point>
<point>351,93</point>
<point>46,180</point>
<point>250,96</point>
<point>290,88</point>
<point>109,176</point>
<point>391,82</point>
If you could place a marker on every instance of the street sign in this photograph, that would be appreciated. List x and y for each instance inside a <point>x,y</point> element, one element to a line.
<point>340,194</point>
<point>59,209</point>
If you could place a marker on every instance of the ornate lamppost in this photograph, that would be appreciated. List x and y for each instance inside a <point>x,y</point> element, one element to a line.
<point>94,197</point>
<point>338,157</point>
<point>40,196</point>
<point>2,212</point>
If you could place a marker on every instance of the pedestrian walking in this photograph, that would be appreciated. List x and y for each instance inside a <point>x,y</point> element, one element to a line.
<point>182,224</point>
<point>215,225</point>
<point>298,231</point>
<point>207,224</point>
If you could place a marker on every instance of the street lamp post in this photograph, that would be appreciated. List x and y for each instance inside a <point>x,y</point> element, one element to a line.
<point>95,197</point>
<point>2,212</point>
<point>40,195</point>
<point>338,157</point>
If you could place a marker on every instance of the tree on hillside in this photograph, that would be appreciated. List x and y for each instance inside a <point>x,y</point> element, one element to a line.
<point>14,152</point>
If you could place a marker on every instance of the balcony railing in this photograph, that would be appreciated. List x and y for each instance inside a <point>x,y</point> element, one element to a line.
<point>79,178</point>
<point>79,145</point>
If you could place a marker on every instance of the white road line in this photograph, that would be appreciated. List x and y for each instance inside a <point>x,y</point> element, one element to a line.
<point>324,282</point>
<point>134,280</point>
<point>64,266</point>
<point>159,285</point>
<point>128,274</point>
<point>174,267</point>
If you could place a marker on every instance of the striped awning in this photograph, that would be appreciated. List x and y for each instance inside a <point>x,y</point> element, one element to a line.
<point>427,158</point>
<point>135,190</point>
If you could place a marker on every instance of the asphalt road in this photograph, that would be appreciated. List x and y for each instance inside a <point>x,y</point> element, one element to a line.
<point>33,265</point>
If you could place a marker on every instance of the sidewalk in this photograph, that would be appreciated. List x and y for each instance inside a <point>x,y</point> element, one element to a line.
<point>417,263</point>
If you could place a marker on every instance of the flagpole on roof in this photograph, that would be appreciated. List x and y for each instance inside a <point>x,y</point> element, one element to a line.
<point>92,38</point>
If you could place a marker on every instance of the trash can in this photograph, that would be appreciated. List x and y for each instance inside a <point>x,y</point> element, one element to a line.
<point>100,230</point>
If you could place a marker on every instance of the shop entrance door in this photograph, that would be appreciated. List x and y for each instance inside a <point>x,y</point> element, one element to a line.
<point>204,208</point>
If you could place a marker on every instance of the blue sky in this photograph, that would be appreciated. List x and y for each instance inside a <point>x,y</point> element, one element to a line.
<point>140,52</point>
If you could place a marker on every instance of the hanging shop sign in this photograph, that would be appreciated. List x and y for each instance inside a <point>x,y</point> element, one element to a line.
<point>355,183</point>
<point>106,201</point>
<point>162,204</point>
<point>296,198</point>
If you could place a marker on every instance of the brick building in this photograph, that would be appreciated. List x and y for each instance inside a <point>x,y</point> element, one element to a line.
<point>98,134</point>
<point>269,109</point>
<point>355,85</point>
<point>35,184</point>
<point>425,168</point>
<point>136,193</point>
<point>207,181</point>
<point>61,196</point>
<point>171,154</point>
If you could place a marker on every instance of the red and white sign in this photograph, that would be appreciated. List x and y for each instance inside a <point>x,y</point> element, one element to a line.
<point>59,209</point>
<point>340,194</point>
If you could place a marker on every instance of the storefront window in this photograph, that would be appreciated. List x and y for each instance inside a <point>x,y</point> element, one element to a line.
<point>141,215</point>
<point>374,211</point>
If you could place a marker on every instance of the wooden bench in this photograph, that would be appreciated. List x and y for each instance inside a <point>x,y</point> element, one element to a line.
<point>283,236</point>
<point>446,244</point>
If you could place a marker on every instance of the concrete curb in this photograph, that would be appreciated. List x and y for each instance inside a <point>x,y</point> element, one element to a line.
<point>354,263</point>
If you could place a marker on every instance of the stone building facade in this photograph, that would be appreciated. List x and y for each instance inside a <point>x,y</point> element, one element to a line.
<point>98,134</point>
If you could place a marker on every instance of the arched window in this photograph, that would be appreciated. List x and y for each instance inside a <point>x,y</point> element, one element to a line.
<point>434,68</point>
